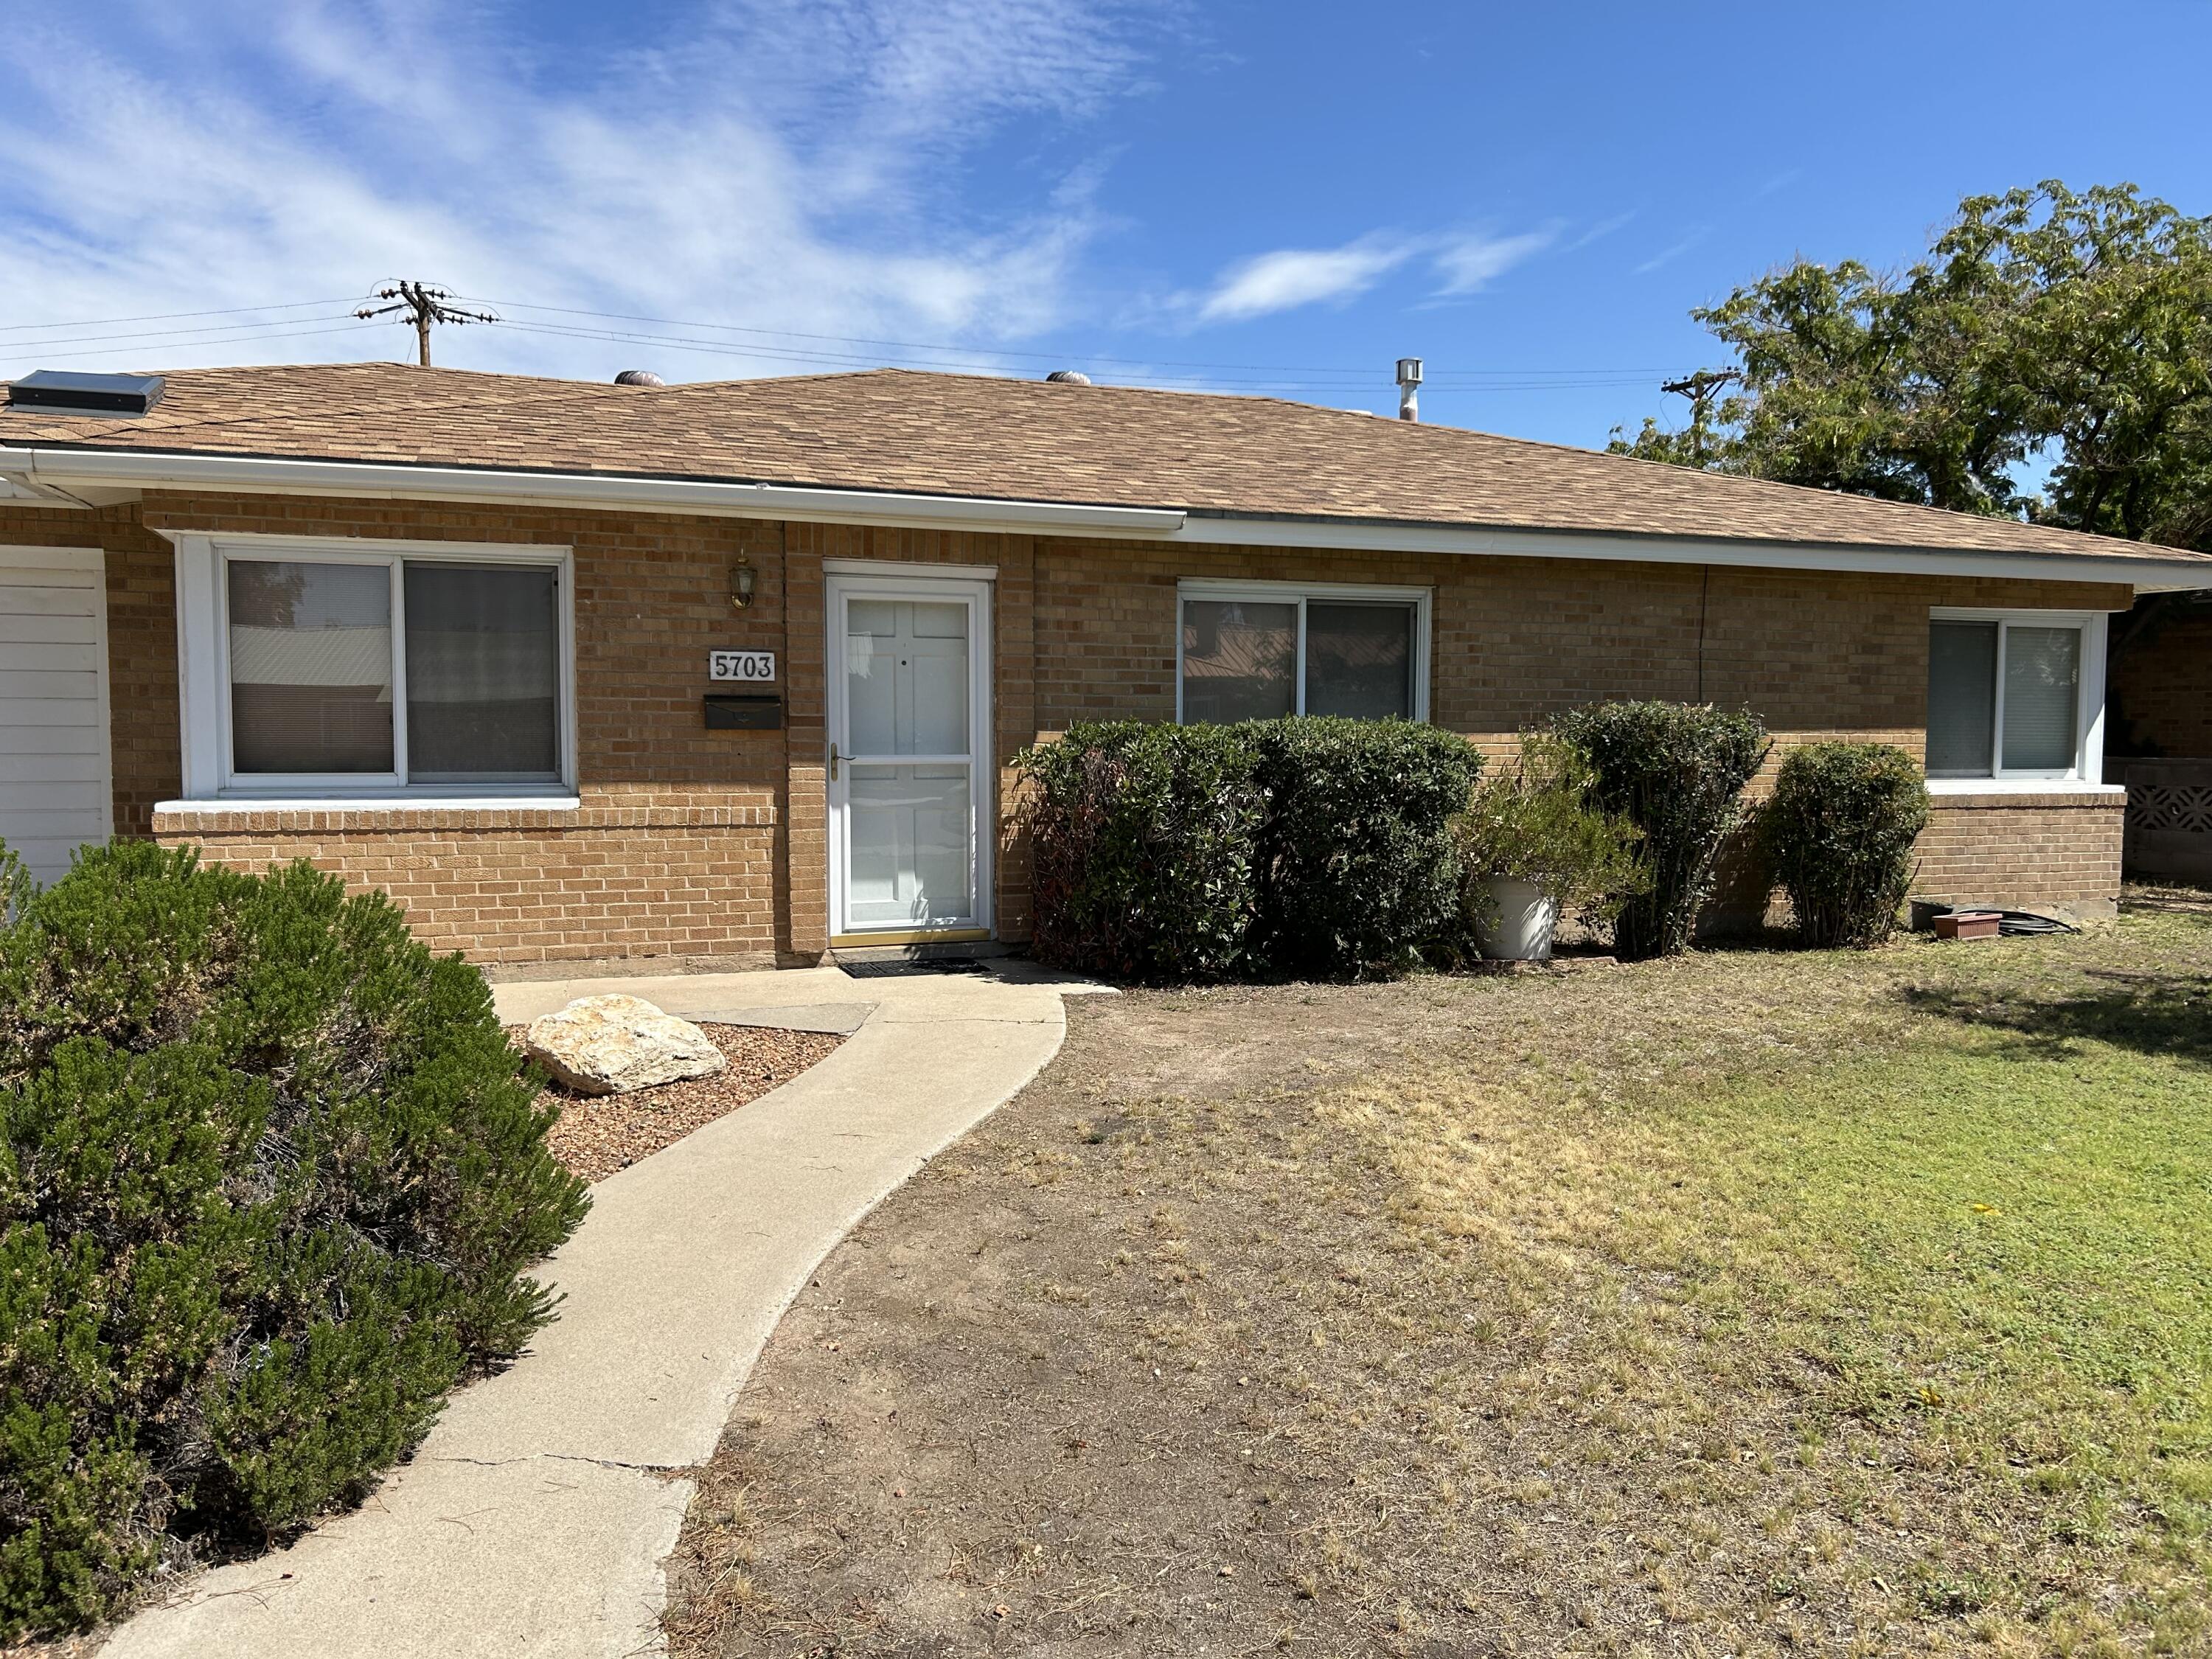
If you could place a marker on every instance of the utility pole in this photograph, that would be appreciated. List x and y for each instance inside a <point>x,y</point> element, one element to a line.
<point>1700,388</point>
<point>423,305</point>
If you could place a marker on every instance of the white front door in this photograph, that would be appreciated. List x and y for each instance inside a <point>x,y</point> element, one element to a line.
<point>55,789</point>
<point>910,709</point>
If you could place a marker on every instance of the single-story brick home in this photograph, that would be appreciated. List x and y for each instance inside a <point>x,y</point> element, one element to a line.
<point>733,673</point>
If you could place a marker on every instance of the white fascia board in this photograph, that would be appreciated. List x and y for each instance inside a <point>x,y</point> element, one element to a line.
<point>2145,575</point>
<point>81,471</point>
<point>130,469</point>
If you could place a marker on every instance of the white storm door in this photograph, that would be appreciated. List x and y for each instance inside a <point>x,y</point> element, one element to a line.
<point>55,784</point>
<point>909,718</point>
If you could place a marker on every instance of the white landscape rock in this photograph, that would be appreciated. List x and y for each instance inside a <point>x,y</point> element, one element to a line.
<point>609,1045</point>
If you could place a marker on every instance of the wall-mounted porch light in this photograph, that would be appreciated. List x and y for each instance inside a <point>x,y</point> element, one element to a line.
<point>741,583</point>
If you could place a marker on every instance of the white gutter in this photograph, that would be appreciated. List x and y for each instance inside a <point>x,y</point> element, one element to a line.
<point>2145,575</point>
<point>73,469</point>
<point>86,474</point>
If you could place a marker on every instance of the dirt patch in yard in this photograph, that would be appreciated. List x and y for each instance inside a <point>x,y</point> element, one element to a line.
<point>599,1134</point>
<point>1400,1319</point>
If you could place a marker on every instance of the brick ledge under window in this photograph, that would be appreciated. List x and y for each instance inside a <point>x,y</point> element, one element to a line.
<point>2093,798</point>
<point>235,818</point>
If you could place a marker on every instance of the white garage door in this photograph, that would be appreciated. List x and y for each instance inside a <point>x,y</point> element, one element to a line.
<point>54,784</point>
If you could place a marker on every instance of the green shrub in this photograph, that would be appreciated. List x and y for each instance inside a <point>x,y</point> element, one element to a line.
<point>1144,848</point>
<point>1676,771</point>
<point>1359,867</point>
<point>1535,822</point>
<point>270,1174</point>
<point>1839,835</point>
<point>1170,854</point>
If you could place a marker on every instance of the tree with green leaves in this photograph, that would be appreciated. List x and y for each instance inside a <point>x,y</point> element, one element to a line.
<point>2043,327</point>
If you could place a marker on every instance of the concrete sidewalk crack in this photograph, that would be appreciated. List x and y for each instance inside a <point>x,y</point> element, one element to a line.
<point>618,1463</point>
<point>569,1457</point>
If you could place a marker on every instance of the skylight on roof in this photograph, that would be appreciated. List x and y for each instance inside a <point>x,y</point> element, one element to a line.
<point>63,391</point>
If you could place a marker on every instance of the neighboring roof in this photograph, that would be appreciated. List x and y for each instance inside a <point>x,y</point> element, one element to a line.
<point>965,436</point>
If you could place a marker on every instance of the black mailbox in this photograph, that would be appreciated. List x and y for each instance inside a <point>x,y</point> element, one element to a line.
<point>728,713</point>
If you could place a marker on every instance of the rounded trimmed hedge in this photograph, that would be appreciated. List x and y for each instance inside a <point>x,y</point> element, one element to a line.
<point>1839,835</point>
<point>1676,771</point>
<point>1307,845</point>
<point>1359,867</point>
<point>269,1176</point>
<point>1144,849</point>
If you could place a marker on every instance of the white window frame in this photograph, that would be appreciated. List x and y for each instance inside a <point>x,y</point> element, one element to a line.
<point>203,659</point>
<point>2086,771</point>
<point>1422,600</point>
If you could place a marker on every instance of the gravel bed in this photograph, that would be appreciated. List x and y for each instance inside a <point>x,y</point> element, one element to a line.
<point>599,1134</point>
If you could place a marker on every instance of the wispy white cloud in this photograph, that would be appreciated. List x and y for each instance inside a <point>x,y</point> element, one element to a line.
<point>1672,252</point>
<point>790,164</point>
<point>1468,263</point>
<point>1458,262</point>
<point>1602,228</point>
<point>1289,277</point>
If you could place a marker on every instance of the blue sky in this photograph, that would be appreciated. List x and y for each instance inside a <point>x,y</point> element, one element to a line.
<point>1257,194</point>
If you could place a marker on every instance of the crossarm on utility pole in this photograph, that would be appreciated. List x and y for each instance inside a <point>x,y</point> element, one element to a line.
<point>421,304</point>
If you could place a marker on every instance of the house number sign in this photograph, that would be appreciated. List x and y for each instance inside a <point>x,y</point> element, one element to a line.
<point>754,667</point>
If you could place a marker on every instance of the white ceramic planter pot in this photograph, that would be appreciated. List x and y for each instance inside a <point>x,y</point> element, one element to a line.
<point>1520,927</point>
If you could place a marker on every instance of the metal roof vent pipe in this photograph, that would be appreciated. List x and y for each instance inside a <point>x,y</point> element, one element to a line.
<point>638,377</point>
<point>1067,377</point>
<point>1409,388</point>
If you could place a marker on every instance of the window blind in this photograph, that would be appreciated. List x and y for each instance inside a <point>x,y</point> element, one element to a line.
<point>2042,691</point>
<point>1962,688</point>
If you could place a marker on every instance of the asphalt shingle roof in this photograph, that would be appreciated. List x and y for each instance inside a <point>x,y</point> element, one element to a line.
<point>952,434</point>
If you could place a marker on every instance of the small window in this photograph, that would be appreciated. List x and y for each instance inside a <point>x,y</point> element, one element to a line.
<point>2006,697</point>
<point>358,671</point>
<point>1260,652</point>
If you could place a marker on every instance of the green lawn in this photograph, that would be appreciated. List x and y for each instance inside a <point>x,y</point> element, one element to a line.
<point>2009,1242</point>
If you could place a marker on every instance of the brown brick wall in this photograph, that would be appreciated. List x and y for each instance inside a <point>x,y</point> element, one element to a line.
<point>1517,641</point>
<point>695,884</point>
<point>2022,852</point>
<point>693,844</point>
<point>2161,690</point>
<point>679,850</point>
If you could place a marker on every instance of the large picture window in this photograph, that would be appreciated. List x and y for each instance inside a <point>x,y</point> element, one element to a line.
<point>2014,695</point>
<point>1257,651</point>
<point>348,670</point>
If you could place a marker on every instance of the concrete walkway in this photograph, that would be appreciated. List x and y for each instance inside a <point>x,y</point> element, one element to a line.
<point>535,1518</point>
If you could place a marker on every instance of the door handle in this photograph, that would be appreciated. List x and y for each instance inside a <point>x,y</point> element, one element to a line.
<point>833,762</point>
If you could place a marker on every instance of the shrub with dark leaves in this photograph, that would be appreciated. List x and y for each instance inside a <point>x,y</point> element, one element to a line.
<point>1145,844</point>
<point>1359,865</point>
<point>1676,771</point>
<point>1173,854</point>
<point>270,1177</point>
<point>1839,835</point>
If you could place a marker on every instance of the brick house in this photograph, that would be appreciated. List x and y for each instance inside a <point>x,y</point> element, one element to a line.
<point>732,672</point>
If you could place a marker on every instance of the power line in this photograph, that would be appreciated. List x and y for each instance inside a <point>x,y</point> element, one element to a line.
<point>171,316</point>
<point>291,334</point>
<point>192,335</point>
